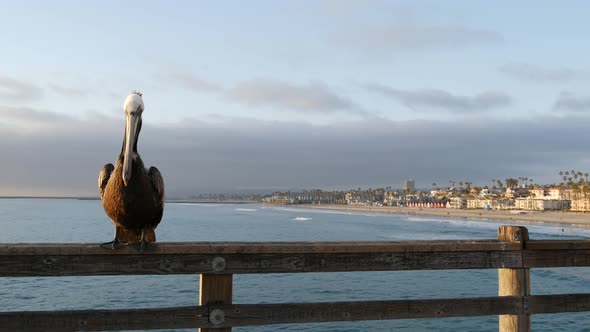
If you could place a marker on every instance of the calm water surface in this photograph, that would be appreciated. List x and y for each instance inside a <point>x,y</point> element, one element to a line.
<point>46,220</point>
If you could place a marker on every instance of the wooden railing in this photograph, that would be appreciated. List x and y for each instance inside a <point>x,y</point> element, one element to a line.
<point>512,254</point>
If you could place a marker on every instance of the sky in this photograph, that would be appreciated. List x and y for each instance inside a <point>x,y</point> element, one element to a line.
<point>287,95</point>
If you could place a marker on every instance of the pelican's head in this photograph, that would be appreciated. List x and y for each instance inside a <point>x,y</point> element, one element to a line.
<point>133,103</point>
<point>133,109</point>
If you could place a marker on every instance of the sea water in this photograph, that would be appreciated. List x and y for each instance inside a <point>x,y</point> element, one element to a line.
<point>62,221</point>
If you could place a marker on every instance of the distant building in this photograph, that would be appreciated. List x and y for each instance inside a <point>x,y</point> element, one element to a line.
<point>479,203</point>
<point>457,203</point>
<point>492,192</point>
<point>494,204</point>
<point>539,204</point>
<point>408,185</point>
<point>517,192</point>
<point>580,204</point>
<point>547,193</point>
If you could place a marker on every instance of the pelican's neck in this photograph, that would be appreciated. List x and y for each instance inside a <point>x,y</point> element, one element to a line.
<point>135,153</point>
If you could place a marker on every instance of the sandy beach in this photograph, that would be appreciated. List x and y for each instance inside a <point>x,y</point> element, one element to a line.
<point>555,217</point>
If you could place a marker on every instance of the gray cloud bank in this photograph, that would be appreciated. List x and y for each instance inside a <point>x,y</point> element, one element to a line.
<point>573,103</point>
<point>198,157</point>
<point>15,90</point>
<point>434,98</point>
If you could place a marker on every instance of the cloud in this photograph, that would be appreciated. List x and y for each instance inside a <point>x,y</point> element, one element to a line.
<point>30,119</point>
<point>313,97</point>
<point>433,98</point>
<point>66,91</point>
<point>224,156</point>
<point>417,37</point>
<point>12,90</point>
<point>567,101</point>
<point>535,73</point>
<point>191,82</point>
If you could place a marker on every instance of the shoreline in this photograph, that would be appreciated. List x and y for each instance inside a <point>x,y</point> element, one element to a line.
<point>578,219</point>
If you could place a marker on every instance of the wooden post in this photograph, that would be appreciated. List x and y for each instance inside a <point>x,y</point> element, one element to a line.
<point>215,289</point>
<point>514,282</point>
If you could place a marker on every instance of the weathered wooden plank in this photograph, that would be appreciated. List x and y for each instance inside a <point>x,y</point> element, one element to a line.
<point>252,314</point>
<point>82,265</point>
<point>557,244</point>
<point>287,313</point>
<point>198,248</point>
<point>215,290</point>
<point>268,314</point>
<point>548,304</point>
<point>101,320</point>
<point>556,258</point>
<point>514,282</point>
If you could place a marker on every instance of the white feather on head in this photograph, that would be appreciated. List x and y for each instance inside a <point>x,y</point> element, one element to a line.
<point>133,102</point>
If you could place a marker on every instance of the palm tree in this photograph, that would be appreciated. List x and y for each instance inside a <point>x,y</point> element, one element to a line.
<point>511,183</point>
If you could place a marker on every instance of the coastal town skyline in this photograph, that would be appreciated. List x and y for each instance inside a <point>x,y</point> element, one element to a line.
<point>572,194</point>
<point>283,95</point>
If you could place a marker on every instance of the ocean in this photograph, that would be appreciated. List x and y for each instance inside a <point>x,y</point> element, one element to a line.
<point>70,220</point>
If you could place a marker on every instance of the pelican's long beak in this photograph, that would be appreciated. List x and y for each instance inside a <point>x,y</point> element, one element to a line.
<point>131,124</point>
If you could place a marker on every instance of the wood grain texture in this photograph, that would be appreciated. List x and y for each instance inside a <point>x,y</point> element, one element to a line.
<point>557,244</point>
<point>215,290</point>
<point>555,258</point>
<point>548,304</point>
<point>198,248</point>
<point>136,264</point>
<point>269,314</point>
<point>287,313</point>
<point>514,281</point>
<point>101,320</point>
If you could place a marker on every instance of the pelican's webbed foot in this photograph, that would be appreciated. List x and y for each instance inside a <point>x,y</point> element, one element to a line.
<point>116,243</point>
<point>112,244</point>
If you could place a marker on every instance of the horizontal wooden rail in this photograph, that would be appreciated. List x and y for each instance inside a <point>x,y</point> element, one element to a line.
<point>286,313</point>
<point>102,320</point>
<point>204,248</point>
<point>557,244</point>
<point>24,260</point>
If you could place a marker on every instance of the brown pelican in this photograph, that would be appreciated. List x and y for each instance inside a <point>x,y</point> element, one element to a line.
<point>132,196</point>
